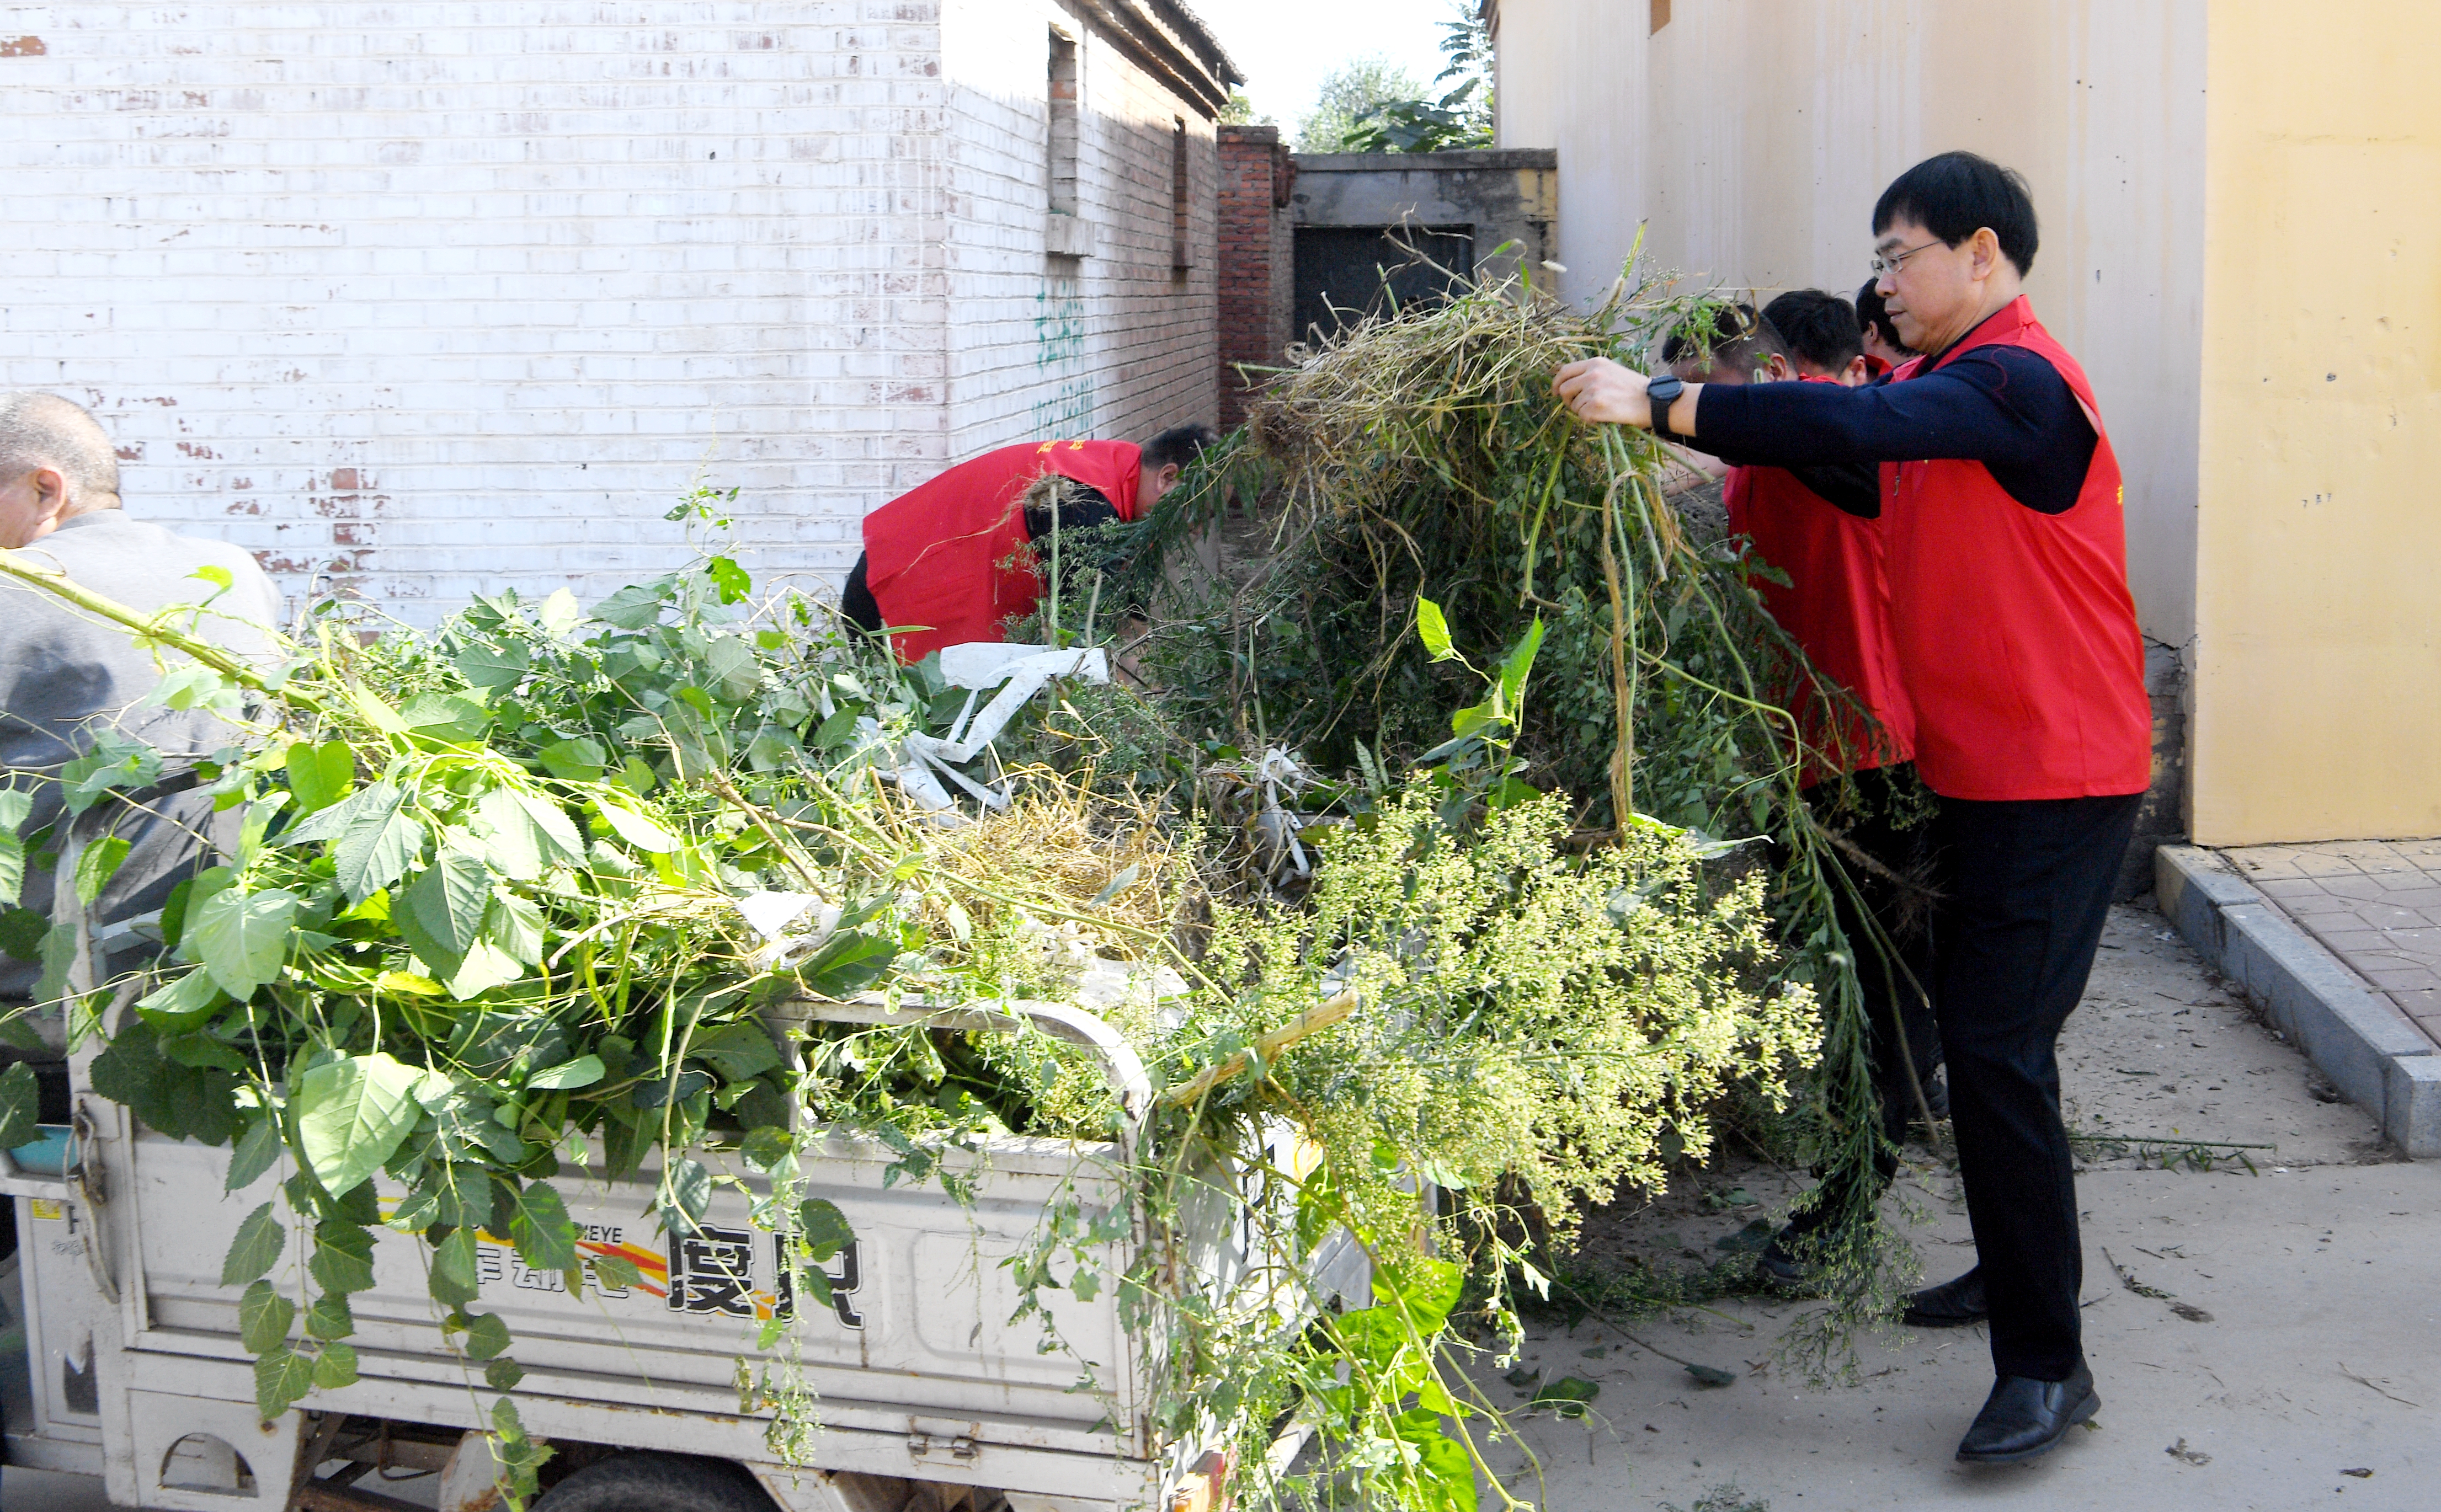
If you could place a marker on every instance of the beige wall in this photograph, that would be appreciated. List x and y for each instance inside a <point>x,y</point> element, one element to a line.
<point>1755,136</point>
<point>2317,672</point>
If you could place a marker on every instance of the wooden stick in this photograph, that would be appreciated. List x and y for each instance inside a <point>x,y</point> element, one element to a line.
<point>1312,1021</point>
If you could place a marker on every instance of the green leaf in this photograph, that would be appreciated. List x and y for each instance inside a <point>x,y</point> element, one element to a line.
<point>729,578</point>
<point>635,605</point>
<point>335,1367</point>
<point>330,1316</point>
<point>320,776</point>
<point>241,938</point>
<point>739,1052</point>
<point>186,1002</point>
<point>636,830</point>
<point>352,1114</point>
<point>254,1249</point>
<point>455,1279</point>
<point>262,1317</point>
<point>561,612</point>
<point>766,1147</point>
<point>450,718</point>
<point>686,1197</point>
<point>22,931</point>
<point>202,1051</point>
<point>20,1106</point>
<point>1434,628</point>
<point>441,915</point>
<point>494,666</point>
<point>343,1257</point>
<point>1520,662</point>
<point>568,1075</point>
<point>823,1228</point>
<point>540,1229</point>
<point>514,845</point>
<point>614,1270</point>
<point>15,804</point>
<point>282,1379</point>
<point>1567,1395</point>
<point>59,954</point>
<point>561,841</point>
<point>515,926</point>
<point>485,966</point>
<point>376,839</point>
<point>580,758</point>
<point>503,1374</point>
<point>487,1335</point>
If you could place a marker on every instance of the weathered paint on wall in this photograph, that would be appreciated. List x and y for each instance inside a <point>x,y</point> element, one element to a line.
<point>1749,143</point>
<point>2318,659</point>
<point>1116,343</point>
<point>433,299</point>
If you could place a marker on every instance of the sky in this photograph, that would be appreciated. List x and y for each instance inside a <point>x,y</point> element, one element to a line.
<point>1287,46</point>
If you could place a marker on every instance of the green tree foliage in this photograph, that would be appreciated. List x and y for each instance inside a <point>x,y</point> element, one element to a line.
<point>1347,93</point>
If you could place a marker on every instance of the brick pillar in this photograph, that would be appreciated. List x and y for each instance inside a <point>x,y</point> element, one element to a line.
<point>1256,260</point>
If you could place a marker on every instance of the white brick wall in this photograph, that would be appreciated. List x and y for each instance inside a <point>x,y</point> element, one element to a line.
<point>1105,344</point>
<point>443,297</point>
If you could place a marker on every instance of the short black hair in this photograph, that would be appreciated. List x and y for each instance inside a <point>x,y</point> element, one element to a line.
<point>1819,327</point>
<point>1733,334</point>
<point>1872,312</point>
<point>1178,446</point>
<point>1956,194</point>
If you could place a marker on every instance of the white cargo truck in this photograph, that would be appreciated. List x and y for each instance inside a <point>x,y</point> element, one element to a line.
<point>926,1397</point>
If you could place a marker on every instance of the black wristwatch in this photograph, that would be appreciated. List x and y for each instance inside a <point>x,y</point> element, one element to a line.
<point>1661,394</point>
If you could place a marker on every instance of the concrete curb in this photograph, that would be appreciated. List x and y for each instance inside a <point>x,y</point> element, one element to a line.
<point>2374,1054</point>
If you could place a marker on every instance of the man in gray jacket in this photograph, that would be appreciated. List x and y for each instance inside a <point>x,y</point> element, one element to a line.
<point>69,680</point>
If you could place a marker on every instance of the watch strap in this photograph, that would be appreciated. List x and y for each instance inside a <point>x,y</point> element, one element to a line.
<point>1660,403</point>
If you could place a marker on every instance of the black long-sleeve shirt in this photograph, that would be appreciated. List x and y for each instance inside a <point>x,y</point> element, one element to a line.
<point>2003,406</point>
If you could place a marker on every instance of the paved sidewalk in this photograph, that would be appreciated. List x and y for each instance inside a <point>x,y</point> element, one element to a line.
<point>2286,1332</point>
<point>2374,904</point>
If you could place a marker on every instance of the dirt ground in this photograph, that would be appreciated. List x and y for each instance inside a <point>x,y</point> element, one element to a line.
<point>2284,1339</point>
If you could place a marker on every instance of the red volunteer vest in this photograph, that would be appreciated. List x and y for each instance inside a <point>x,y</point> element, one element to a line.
<point>1836,607</point>
<point>952,555</point>
<point>2016,634</point>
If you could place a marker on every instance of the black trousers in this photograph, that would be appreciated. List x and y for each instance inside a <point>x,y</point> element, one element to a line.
<point>2024,891</point>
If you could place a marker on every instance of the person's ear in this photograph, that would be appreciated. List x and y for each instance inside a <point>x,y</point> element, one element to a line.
<point>1776,369</point>
<point>51,493</point>
<point>1984,252</point>
<point>1856,372</point>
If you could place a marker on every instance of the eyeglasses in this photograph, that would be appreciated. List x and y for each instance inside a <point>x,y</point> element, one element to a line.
<point>1885,266</point>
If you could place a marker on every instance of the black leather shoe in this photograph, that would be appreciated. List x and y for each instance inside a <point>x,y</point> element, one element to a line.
<point>1781,1264</point>
<point>1951,1305</point>
<point>2024,1416</point>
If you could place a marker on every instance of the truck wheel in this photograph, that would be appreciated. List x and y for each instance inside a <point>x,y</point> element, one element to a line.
<point>657,1483</point>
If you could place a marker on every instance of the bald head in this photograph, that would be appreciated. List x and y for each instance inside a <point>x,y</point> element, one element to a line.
<point>56,462</point>
<point>44,430</point>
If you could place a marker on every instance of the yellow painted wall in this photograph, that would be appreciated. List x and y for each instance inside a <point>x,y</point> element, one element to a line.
<point>2318,653</point>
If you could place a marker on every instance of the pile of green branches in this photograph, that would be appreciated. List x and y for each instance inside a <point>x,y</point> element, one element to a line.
<point>1421,456</point>
<point>486,931</point>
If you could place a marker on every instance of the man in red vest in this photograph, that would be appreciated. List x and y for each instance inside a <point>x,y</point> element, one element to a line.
<point>1811,525</point>
<point>2017,644</point>
<point>953,561</point>
<point>1876,332</point>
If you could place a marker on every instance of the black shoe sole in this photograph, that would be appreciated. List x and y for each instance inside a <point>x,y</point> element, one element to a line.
<point>2080,1413</point>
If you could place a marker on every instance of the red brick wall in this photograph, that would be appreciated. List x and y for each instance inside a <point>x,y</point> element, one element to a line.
<point>1257,250</point>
